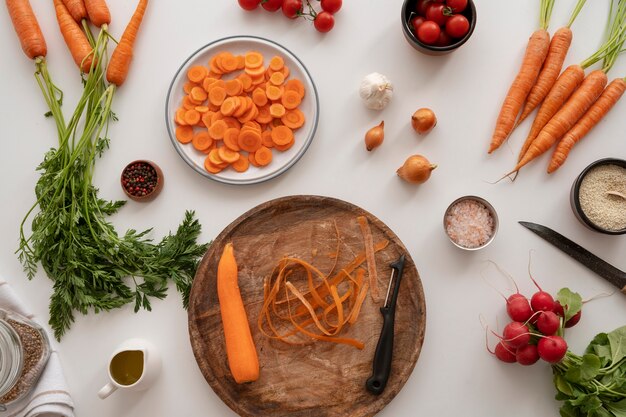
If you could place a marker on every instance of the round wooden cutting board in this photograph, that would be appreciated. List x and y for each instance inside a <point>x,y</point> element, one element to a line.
<point>321,379</point>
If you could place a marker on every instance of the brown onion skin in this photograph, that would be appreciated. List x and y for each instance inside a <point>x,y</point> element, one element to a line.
<point>423,121</point>
<point>416,169</point>
<point>375,136</point>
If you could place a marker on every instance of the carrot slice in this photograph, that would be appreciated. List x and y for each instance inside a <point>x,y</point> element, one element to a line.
<point>293,119</point>
<point>264,115</point>
<point>217,96</point>
<point>266,139</point>
<point>214,157</point>
<point>241,165</point>
<point>277,78</point>
<point>201,109</point>
<point>228,107</point>
<point>217,129</point>
<point>285,147</point>
<point>277,110</point>
<point>188,86</point>
<point>253,59</point>
<point>255,73</point>
<point>246,81</point>
<point>208,82</point>
<point>259,97</point>
<point>232,122</point>
<point>228,62</point>
<point>211,167</point>
<point>197,73</point>
<point>198,94</point>
<point>295,85</point>
<point>202,141</point>
<point>207,117</point>
<point>234,87</point>
<point>249,140</point>
<point>179,116</point>
<point>231,139</point>
<point>252,160</point>
<point>281,135</point>
<point>251,114</point>
<point>263,156</point>
<point>291,99</point>
<point>192,117</point>
<point>228,155</point>
<point>241,62</point>
<point>277,63</point>
<point>243,106</point>
<point>213,66</point>
<point>184,134</point>
<point>273,92</point>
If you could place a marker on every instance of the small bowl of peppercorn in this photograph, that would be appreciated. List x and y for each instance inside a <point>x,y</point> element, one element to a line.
<point>142,180</point>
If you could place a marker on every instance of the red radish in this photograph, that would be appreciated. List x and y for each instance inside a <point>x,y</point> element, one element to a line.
<point>542,301</point>
<point>574,320</point>
<point>552,348</point>
<point>558,309</point>
<point>527,355</point>
<point>548,322</point>
<point>518,308</point>
<point>504,353</point>
<point>516,334</point>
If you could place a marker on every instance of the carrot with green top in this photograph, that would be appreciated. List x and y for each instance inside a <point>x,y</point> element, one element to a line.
<point>610,96</point>
<point>536,52</point>
<point>98,12</point>
<point>27,28</point>
<point>123,53</point>
<point>75,39</point>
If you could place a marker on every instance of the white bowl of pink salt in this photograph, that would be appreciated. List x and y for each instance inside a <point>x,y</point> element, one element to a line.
<point>598,196</point>
<point>470,222</point>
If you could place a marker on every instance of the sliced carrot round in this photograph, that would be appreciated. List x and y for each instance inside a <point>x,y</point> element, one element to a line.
<point>264,115</point>
<point>277,78</point>
<point>217,129</point>
<point>285,147</point>
<point>253,59</point>
<point>198,94</point>
<point>259,97</point>
<point>277,110</point>
<point>295,85</point>
<point>241,165</point>
<point>293,119</point>
<point>277,63</point>
<point>263,156</point>
<point>184,134</point>
<point>291,99</point>
<point>249,140</point>
<point>281,135</point>
<point>210,166</point>
<point>231,139</point>
<point>234,87</point>
<point>229,106</point>
<point>215,158</point>
<point>273,92</point>
<point>252,160</point>
<point>197,73</point>
<point>192,117</point>
<point>217,95</point>
<point>179,117</point>
<point>202,141</point>
<point>227,154</point>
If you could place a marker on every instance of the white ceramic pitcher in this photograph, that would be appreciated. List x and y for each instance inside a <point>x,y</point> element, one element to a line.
<point>148,373</point>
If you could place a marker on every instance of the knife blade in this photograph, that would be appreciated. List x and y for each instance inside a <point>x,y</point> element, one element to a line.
<point>582,255</point>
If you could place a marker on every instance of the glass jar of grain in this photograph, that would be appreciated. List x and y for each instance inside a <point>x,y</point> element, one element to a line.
<point>24,352</point>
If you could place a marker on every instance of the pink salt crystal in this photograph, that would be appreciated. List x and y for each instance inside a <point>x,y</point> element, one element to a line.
<point>469,224</point>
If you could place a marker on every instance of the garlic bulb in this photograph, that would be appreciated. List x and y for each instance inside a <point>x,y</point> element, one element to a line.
<point>376,91</point>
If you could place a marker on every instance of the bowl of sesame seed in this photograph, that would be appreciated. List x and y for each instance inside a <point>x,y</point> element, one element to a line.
<point>470,222</point>
<point>142,180</point>
<point>598,196</point>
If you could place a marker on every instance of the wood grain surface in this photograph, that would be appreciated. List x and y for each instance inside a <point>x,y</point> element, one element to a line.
<point>322,379</point>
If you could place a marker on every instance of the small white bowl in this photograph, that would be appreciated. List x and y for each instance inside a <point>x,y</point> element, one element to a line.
<point>487,205</point>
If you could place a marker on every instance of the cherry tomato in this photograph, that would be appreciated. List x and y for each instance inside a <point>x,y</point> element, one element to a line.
<point>416,22</point>
<point>331,6</point>
<point>457,26</point>
<point>291,8</point>
<point>444,39</point>
<point>435,12</point>
<point>457,6</point>
<point>421,6</point>
<point>439,1</point>
<point>271,5</point>
<point>428,32</point>
<point>249,4</point>
<point>324,22</point>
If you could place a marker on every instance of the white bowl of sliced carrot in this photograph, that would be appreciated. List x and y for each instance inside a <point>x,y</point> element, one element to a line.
<point>242,110</point>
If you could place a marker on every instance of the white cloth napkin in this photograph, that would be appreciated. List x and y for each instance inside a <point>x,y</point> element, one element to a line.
<point>50,397</point>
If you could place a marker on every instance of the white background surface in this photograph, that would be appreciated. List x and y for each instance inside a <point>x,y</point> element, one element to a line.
<point>454,375</point>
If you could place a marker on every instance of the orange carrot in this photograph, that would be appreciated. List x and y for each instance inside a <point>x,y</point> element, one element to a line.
<point>123,53</point>
<point>263,156</point>
<point>535,55</point>
<point>98,12</point>
<point>610,96</point>
<point>562,89</point>
<point>566,117</point>
<point>559,45</point>
<point>76,8</point>
<point>75,38</point>
<point>27,28</point>
<point>243,360</point>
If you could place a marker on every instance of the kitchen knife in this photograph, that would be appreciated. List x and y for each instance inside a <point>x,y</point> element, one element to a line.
<point>582,255</point>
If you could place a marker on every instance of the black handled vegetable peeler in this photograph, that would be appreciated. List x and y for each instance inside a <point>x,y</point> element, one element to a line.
<point>384,349</point>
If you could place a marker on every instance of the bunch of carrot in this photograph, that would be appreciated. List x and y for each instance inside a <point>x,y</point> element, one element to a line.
<point>571,103</point>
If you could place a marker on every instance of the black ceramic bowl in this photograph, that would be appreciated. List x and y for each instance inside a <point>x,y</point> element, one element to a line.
<point>575,196</point>
<point>408,12</point>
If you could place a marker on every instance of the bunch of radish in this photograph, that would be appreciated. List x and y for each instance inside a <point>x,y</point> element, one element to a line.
<point>537,327</point>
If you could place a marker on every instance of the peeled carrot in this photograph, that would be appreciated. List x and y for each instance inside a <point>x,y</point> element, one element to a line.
<point>241,352</point>
<point>293,119</point>
<point>74,37</point>
<point>263,156</point>
<point>559,46</point>
<point>77,9</point>
<point>535,55</point>
<point>562,90</point>
<point>566,117</point>
<point>609,97</point>
<point>197,73</point>
<point>281,135</point>
<point>123,53</point>
<point>27,28</point>
<point>98,12</point>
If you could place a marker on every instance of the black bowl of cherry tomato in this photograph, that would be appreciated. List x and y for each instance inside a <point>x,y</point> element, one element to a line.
<point>438,27</point>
